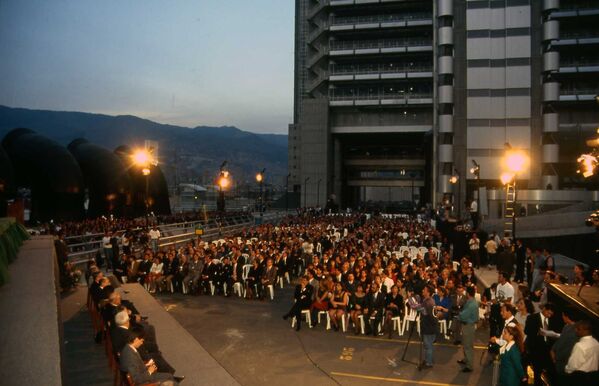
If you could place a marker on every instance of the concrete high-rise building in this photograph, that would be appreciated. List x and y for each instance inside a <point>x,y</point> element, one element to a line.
<point>393,97</point>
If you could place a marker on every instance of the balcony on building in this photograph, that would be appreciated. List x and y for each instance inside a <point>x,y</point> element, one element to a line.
<point>348,23</point>
<point>578,38</point>
<point>381,46</point>
<point>399,94</point>
<point>576,9</point>
<point>376,71</point>
<point>578,65</point>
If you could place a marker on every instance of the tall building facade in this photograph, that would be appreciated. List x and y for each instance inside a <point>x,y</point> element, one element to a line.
<point>393,97</point>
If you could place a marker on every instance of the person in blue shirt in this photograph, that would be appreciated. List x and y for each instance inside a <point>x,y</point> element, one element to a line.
<point>442,303</point>
<point>468,318</point>
<point>511,372</point>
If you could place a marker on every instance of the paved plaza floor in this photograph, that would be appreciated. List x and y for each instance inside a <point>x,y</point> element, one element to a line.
<point>257,347</point>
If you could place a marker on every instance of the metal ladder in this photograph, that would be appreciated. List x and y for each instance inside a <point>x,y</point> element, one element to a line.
<point>510,208</point>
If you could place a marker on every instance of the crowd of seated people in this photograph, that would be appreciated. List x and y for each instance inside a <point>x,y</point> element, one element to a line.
<point>371,272</point>
<point>130,340</point>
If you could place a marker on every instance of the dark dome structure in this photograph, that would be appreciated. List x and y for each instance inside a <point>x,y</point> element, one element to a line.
<point>7,183</point>
<point>50,171</point>
<point>106,179</point>
<point>151,189</point>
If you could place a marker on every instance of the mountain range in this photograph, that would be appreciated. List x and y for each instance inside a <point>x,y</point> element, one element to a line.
<point>185,154</point>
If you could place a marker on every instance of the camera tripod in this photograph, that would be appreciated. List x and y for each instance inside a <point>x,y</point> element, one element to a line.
<point>405,351</point>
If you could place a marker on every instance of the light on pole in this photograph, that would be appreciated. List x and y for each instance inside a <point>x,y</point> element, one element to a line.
<point>514,162</point>
<point>145,159</point>
<point>455,179</point>
<point>223,183</point>
<point>475,169</point>
<point>260,180</point>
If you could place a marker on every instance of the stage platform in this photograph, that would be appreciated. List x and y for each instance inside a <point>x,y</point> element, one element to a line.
<point>587,302</point>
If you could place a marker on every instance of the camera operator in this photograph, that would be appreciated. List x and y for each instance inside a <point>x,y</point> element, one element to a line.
<point>429,326</point>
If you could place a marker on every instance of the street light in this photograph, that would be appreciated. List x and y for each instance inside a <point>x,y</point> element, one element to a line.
<point>514,161</point>
<point>223,182</point>
<point>455,179</point>
<point>260,180</point>
<point>145,159</point>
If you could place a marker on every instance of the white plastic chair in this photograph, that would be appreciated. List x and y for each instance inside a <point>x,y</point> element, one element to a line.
<point>326,313</point>
<point>411,316</point>
<point>271,289</point>
<point>238,289</point>
<point>396,321</point>
<point>306,314</point>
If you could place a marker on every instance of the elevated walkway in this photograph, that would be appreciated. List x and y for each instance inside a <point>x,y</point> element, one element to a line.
<point>177,345</point>
<point>30,333</point>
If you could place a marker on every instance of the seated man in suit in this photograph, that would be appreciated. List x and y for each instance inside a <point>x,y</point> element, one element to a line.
<point>303,300</point>
<point>375,304</point>
<point>269,277</point>
<point>140,371</point>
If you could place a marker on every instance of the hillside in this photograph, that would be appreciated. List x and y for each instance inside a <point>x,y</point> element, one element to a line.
<point>195,153</point>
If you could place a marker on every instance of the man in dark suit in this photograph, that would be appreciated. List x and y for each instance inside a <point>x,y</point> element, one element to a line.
<point>506,260</point>
<point>140,371</point>
<point>538,345</point>
<point>375,304</point>
<point>303,300</point>
<point>458,299</point>
<point>269,277</point>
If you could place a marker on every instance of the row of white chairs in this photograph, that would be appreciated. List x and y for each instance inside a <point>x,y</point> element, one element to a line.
<point>399,325</point>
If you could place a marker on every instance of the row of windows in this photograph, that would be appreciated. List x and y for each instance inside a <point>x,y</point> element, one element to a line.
<point>498,33</point>
<point>496,3</point>
<point>502,92</point>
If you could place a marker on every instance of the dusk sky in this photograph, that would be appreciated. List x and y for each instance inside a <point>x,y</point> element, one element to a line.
<point>189,63</point>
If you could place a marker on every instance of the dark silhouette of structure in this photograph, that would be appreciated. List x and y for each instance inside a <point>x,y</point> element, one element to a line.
<point>149,192</point>
<point>107,181</point>
<point>7,183</point>
<point>49,171</point>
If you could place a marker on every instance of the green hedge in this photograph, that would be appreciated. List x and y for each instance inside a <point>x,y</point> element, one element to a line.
<point>12,235</point>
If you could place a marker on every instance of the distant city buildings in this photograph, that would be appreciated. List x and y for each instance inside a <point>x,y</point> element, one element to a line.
<point>393,97</point>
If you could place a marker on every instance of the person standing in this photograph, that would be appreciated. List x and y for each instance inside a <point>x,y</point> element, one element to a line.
<point>474,214</point>
<point>562,348</point>
<point>520,261</point>
<point>429,326</point>
<point>468,318</point>
<point>538,344</point>
<point>107,245</point>
<point>154,235</point>
<point>474,245</point>
<point>511,372</point>
<point>583,364</point>
<point>491,247</point>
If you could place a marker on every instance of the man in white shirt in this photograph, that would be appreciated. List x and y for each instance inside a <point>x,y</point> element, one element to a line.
<point>491,247</point>
<point>107,245</point>
<point>583,364</point>
<point>505,290</point>
<point>154,236</point>
<point>474,245</point>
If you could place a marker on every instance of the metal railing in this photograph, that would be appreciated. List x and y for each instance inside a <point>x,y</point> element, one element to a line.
<point>357,70</point>
<point>381,96</point>
<point>345,20</point>
<point>212,230</point>
<point>387,43</point>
